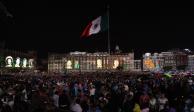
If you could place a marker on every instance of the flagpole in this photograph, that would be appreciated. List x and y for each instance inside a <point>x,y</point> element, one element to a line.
<point>108,29</point>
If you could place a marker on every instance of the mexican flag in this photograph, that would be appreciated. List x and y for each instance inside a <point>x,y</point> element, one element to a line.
<point>97,25</point>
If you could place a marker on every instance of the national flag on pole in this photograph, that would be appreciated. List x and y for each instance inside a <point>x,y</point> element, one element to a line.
<point>97,25</point>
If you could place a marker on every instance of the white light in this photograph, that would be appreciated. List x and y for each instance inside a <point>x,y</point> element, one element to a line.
<point>116,64</point>
<point>147,54</point>
<point>17,64</point>
<point>99,63</point>
<point>24,63</point>
<point>187,50</point>
<point>31,63</point>
<point>69,64</point>
<point>9,61</point>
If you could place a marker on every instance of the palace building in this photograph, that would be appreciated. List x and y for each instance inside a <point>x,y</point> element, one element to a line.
<point>91,62</point>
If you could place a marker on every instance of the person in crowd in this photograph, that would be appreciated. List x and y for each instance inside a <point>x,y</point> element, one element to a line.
<point>153,104</point>
<point>96,92</point>
<point>162,102</point>
<point>136,108</point>
<point>56,99</point>
<point>64,100</point>
<point>75,106</point>
<point>10,102</point>
<point>144,100</point>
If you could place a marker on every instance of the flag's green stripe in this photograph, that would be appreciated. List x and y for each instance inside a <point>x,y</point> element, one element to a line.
<point>104,22</point>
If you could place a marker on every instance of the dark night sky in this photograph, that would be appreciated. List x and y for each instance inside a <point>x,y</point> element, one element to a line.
<point>56,26</point>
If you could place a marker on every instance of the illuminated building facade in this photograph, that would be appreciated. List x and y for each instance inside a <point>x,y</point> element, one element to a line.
<point>89,62</point>
<point>137,65</point>
<point>56,63</point>
<point>175,59</point>
<point>169,59</point>
<point>191,63</point>
<point>16,59</point>
<point>181,59</point>
<point>157,62</point>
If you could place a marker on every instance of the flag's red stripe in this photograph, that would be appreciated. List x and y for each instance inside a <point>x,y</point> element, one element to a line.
<point>86,30</point>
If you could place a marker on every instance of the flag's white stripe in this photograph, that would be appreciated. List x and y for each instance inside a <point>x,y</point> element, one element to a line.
<point>93,28</point>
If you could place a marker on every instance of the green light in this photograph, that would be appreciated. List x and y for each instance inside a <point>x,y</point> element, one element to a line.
<point>76,65</point>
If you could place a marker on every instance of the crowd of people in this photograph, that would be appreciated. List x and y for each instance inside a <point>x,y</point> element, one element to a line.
<point>96,92</point>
